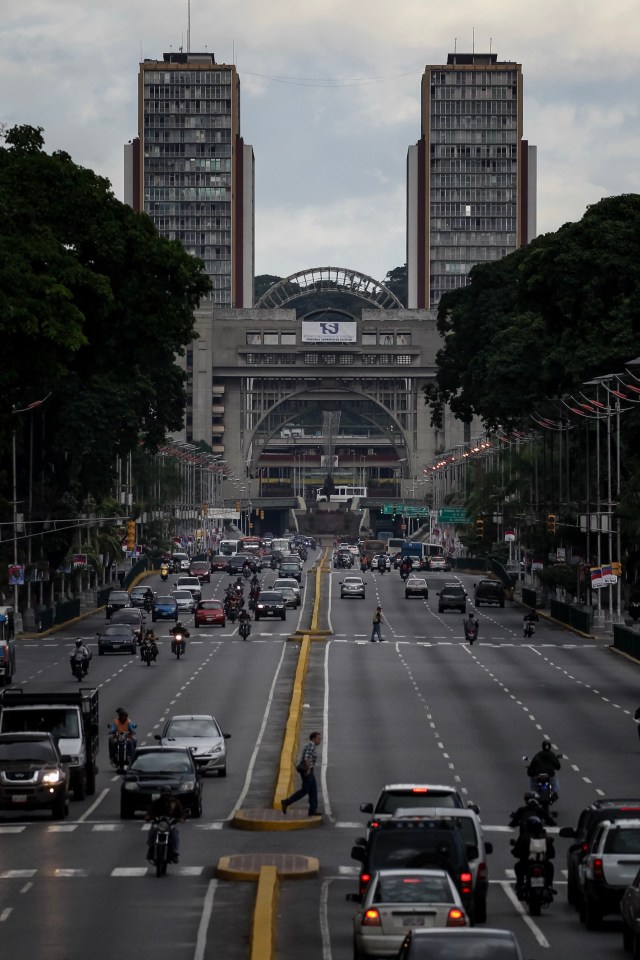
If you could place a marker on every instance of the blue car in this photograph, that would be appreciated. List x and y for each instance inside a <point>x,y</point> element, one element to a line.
<point>164,608</point>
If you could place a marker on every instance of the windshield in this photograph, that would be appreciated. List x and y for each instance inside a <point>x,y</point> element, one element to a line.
<point>162,761</point>
<point>27,751</point>
<point>59,722</point>
<point>202,727</point>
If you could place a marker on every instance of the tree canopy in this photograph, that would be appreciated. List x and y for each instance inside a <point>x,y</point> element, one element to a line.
<point>546,318</point>
<point>94,307</point>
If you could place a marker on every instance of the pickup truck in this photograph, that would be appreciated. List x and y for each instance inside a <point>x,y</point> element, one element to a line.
<point>611,863</point>
<point>71,719</point>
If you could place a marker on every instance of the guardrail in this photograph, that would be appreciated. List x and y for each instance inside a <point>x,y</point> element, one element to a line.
<point>574,617</point>
<point>626,640</point>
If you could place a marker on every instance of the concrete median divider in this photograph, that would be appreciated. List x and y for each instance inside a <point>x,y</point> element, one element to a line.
<point>263,929</point>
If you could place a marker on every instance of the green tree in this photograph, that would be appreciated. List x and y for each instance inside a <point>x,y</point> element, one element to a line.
<point>262,283</point>
<point>396,281</point>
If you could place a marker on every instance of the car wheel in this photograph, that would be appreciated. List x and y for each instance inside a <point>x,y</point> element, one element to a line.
<point>572,897</point>
<point>480,910</point>
<point>592,916</point>
<point>222,772</point>
<point>406,595</point>
<point>636,947</point>
<point>440,609</point>
<point>195,626</point>
<point>502,603</point>
<point>196,809</point>
<point>153,619</point>
<point>100,652</point>
<point>224,623</point>
<point>59,807</point>
<point>284,616</point>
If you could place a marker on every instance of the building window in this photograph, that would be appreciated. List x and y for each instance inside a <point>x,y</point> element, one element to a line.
<point>369,339</point>
<point>311,358</point>
<point>288,339</point>
<point>253,338</point>
<point>270,339</point>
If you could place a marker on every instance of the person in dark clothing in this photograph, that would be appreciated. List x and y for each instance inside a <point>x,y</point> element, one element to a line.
<point>166,806</point>
<point>530,808</point>
<point>533,844</point>
<point>545,761</point>
<point>306,769</point>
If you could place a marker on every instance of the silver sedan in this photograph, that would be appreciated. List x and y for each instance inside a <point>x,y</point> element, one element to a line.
<point>352,587</point>
<point>201,734</point>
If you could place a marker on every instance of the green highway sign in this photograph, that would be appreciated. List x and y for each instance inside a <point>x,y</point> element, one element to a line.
<point>402,511</point>
<point>453,515</point>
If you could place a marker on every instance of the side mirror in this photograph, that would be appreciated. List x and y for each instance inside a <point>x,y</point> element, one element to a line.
<point>357,853</point>
<point>475,585</point>
<point>473,806</point>
<point>488,847</point>
<point>512,843</point>
<point>366,807</point>
<point>227,736</point>
<point>353,897</point>
<point>157,736</point>
<point>567,832</point>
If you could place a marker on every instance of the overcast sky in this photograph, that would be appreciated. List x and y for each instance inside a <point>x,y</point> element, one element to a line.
<point>331,100</point>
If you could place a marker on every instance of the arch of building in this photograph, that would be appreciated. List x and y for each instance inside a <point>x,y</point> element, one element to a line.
<point>329,280</point>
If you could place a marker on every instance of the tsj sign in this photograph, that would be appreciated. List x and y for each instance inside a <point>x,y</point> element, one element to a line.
<point>329,331</point>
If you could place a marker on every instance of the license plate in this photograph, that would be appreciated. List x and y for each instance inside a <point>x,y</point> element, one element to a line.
<point>19,798</point>
<point>155,796</point>
<point>537,881</point>
<point>413,922</point>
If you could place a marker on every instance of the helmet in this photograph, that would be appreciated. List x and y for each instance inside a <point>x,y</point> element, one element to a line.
<point>178,624</point>
<point>79,642</point>
<point>471,616</point>
<point>533,826</point>
<point>122,712</point>
<point>546,745</point>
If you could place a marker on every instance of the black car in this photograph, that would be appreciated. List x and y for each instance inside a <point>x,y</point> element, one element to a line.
<point>467,943</point>
<point>236,563</point>
<point>608,808</point>
<point>133,616</point>
<point>116,600</point>
<point>117,638</point>
<point>343,560</point>
<point>153,768</point>
<point>141,596</point>
<point>452,596</point>
<point>488,591</point>
<point>33,775</point>
<point>290,568</point>
<point>271,604</point>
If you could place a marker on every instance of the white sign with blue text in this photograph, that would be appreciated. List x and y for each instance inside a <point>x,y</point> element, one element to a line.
<point>329,331</point>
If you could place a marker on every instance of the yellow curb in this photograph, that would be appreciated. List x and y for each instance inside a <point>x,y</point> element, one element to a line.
<point>310,867</point>
<point>263,927</point>
<point>286,774</point>
<point>251,820</point>
<point>622,653</point>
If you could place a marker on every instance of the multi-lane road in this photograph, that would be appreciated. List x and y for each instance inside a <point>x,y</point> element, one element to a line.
<point>423,706</point>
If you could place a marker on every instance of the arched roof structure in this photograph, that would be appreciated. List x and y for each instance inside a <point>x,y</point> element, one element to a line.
<point>329,280</point>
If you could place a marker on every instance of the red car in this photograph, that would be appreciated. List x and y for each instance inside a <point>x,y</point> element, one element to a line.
<point>201,569</point>
<point>219,562</point>
<point>209,612</point>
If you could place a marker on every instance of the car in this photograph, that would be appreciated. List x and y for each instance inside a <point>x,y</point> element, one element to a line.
<point>469,943</point>
<point>200,569</point>
<point>395,795</point>
<point>117,638</point>
<point>290,597</point>
<point>270,603</point>
<point>202,736</point>
<point>452,596</point>
<point>153,768</point>
<point>116,600</point>
<point>209,612</point>
<point>439,563</point>
<point>630,910</point>
<point>378,558</point>
<point>290,569</point>
<point>139,594</point>
<point>607,868</point>
<point>134,617</point>
<point>180,560</point>
<point>417,843</point>
<point>236,563</point>
<point>396,900</point>
<point>189,583</point>
<point>219,562</point>
<point>309,542</point>
<point>33,775</point>
<point>352,587</point>
<point>468,823</point>
<point>164,608</point>
<point>185,601</point>
<point>416,587</point>
<point>489,592</point>
<point>291,582</point>
<point>606,808</point>
<point>343,559</point>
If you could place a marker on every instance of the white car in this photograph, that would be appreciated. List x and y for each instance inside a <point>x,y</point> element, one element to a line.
<point>183,559</point>
<point>202,736</point>
<point>190,583</point>
<point>185,600</point>
<point>288,582</point>
<point>399,900</point>
<point>607,869</point>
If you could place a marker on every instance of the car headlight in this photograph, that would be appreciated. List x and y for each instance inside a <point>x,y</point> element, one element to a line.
<point>216,749</point>
<point>261,606</point>
<point>54,776</point>
<point>187,786</point>
<point>131,785</point>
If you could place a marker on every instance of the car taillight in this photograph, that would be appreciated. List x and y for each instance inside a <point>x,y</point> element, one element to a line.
<point>456,918</point>
<point>371,918</point>
<point>374,824</point>
<point>364,880</point>
<point>419,790</point>
<point>598,871</point>
<point>465,882</point>
<point>482,872</point>
<point>585,847</point>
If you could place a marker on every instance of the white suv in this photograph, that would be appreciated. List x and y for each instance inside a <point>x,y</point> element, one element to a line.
<point>289,582</point>
<point>607,869</point>
<point>190,583</point>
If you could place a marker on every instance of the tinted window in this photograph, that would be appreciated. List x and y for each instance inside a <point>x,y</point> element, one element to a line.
<point>29,750</point>
<point>413,890</point>
<point>119,630</point>
<point>201,727</point>
<point>465,947</point>
<point>623,841</point>
<point>162,762</point>
<point>59,722</point>
<point>119,596</point>
<point>210,605</point>
<point>434,798</point>
<point>268,597</point>
<point>411,848</point>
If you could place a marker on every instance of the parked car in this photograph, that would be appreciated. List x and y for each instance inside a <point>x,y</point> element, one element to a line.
<point>134,617</point>
<point>488,591</point>
<point>606,808</point>
<point>209,612</point>
<point>290,582</point>
<point>33,775</point>
<point>164,608</point>
<point>452,596</point>
<point>189,583</point>
<point>185,601</point>
<point>117,638</point>
<point>116,600</point>
<point>201,734</point>
<point>352,587</point>
<point>469,943</point>
<point>200,569</point>
<point>397,900</point>
<point>270,604</point>
<point>416,587</point>
<point>607,869</point>
<point>153,768</point>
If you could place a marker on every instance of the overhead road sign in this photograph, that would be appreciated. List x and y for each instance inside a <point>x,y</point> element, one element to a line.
<point>453,515</point>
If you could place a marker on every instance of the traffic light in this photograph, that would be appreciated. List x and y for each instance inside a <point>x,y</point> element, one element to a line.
<point>551,524</point>
<point>617,569</point>
<point>479,528</point>
<point>131,534</point>
<point>262,514</point>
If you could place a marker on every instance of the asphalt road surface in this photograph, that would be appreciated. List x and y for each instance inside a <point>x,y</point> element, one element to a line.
<point>423,706</point>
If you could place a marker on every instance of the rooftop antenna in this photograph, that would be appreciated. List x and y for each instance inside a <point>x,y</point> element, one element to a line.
<point>473,43</point>
<point>188,26</point>
<point>490,45</point>
<point>455,44</point>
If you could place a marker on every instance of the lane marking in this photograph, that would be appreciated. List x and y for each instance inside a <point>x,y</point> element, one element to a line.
<point>535,929</point>
<point>95,803</point>
<point>203,926</point>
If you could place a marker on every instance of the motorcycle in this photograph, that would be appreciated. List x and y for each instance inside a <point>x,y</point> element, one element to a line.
<point>233,612</point>
<point>244,629</point>
<point>79,667</point>
<point>164,575</point>
<point>470,633</point>
<point>178,644</point>
<point>536,892</point>
<point>529,629</point>
<point>148,653</point>
<point>121,754</point>
<point>159,850</point>
<point>545,794</point>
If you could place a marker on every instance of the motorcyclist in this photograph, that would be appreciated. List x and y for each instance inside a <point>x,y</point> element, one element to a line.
<point>405,568</point>
<point>533,844</point>
<point>544,761</point>
<point>122,724</point>
<point>470,628</point>
<point>80,651</point>
<point>530,808</point>
<point>244,617</point>
<point>382,563</point>
<point>149,639</point>
<point>148,599</point>
<point>164,570</point>
<point>166,806</point>
<point>238,586</point>
<point>530,619</point>
<point>178,630</point>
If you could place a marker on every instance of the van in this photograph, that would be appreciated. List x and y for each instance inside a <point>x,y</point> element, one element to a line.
<point>489,592</point>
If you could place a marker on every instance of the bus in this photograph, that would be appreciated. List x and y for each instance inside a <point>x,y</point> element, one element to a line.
<point>229,548</point>
<point>341,493</point>
<point>249,544</point>
<point>280,545</point>
<point>371,548</point>
<point>416,548</point>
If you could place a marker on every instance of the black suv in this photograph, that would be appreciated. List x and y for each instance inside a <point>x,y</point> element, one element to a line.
<point>270,603</point>
<point>32,774</point>
<point>236,563</point>
<point>606,809</point>
<point>421,844</point>
<point>116,600</point>
<point>488,591</point>
<point>452,596</point>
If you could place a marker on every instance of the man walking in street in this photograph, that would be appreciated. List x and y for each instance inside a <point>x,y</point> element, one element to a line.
<point>376,634</point>
<point>306,769</point>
